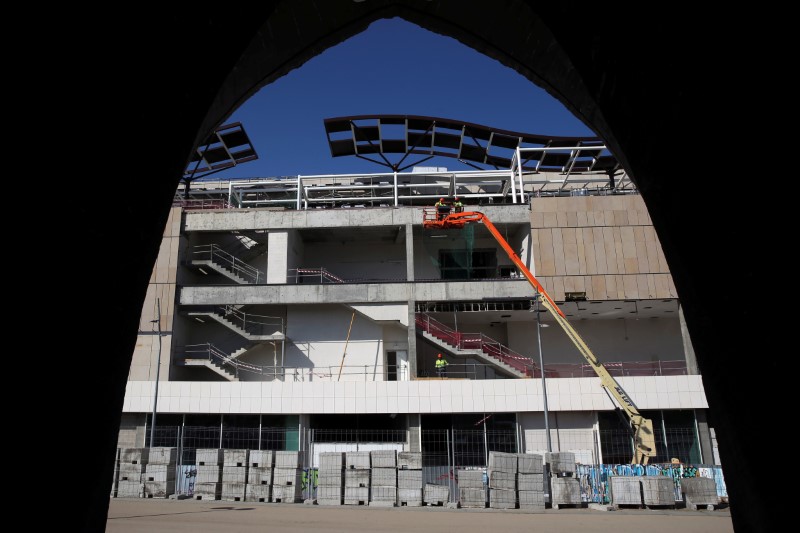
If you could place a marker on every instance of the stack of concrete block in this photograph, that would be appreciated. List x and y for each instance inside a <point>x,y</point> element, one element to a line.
<point>234,474</point>
<point>383,482</point>
<point>564,487</point>
<point>259,476</point>
<point>530,481</point>
<point>159,472</point>
<point>502,471</point>
<point>471,490</point>
<point>699,492</point>
<point>435,494</point>
<point>658,491</point>
<point>330,478</point>
<point>132,462</point>
<point>356,478</point>
<point>561,464</point>
<point>626,490</point>
<point>409,479</point>
<point>208,483</point>
<point>287,477</point>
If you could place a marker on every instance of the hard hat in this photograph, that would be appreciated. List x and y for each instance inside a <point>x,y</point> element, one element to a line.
<point>441,199</point>
<point>456,198</point>
<point>439,355</point>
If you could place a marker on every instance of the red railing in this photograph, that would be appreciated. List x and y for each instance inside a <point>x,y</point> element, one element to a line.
<point>475,341</point>
<point>489,346</point>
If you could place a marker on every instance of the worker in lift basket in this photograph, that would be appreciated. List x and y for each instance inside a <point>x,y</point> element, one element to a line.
<point>458,207</point>
<point>441,366</point>
<point>442,209</point>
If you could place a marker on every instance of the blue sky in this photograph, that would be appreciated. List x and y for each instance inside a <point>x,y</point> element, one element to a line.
<point>394,67</point>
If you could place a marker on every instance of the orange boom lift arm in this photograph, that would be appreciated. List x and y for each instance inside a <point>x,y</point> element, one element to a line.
<point>641,428</point>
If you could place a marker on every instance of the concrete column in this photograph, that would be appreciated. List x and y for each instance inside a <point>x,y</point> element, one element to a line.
<point>410,252</point>
<point>278,259</point>
<point>414,433</point>
<point>412,328</point>
<point>704,435</point>
<point>688,349</point>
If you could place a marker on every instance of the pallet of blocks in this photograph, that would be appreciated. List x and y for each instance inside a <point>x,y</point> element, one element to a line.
<point>130,478</point>
<point>259,476</point>
<point>159,472</point>
<point>471,490</point>
<point>658,491</point>
<point>356,478</point>
<point>409,479</point>
<point>383,478</point>
<point>208,481</point>
<point>565,490</point>
<point>436,495</point>
<point>287,477</point>
<point>330,478</point>
<point>234,474</point>
<point>530,481</point>
<point>626,491</point>
<point>502,472</point>
<point>700,492</point>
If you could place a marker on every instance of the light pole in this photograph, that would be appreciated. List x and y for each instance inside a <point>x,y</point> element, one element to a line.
<point>158,371</point>
<point>541,366</point>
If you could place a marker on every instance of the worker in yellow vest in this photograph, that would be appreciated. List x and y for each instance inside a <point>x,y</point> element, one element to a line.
<point>441,366</point>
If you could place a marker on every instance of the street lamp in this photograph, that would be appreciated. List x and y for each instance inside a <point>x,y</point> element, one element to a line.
<point>539,327</point>
<point>158,371</point>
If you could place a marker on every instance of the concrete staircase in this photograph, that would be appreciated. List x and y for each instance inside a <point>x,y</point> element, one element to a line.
<point>480,355</point>
<point>213,365</point>
<point>219,316</point>
<point>213,257</point>
<point>211,265</point>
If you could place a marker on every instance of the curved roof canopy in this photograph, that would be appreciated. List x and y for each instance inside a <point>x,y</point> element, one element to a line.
<point>373,137</point>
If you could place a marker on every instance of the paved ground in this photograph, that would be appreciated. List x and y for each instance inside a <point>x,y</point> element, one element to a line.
<point>129,515</point>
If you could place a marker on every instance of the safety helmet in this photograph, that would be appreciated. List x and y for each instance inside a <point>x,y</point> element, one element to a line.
<point>440,355</point>
<point>441,199</point>
<point>456,198</point>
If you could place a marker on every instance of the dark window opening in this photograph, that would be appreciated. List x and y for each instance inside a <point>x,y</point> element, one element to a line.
<point>466,264</point>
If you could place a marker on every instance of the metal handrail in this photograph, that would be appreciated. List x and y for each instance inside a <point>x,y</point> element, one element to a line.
<point>250,322</point>
<point>217,255</point>
<point>324,275</point>
<point>215,355</point>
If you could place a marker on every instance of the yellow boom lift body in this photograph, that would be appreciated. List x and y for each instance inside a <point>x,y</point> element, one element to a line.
<point>641,428</point>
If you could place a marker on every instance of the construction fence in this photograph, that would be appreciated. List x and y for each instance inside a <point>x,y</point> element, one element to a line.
<point>194,457</point>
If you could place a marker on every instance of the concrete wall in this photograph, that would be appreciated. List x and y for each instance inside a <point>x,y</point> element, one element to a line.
<point>354,293</point>
<point>319,340</point>
<point>610,340</point>
<point>434,396</point>
<point>278,260</point>
<point>162,287</point>
<point>253,219</point>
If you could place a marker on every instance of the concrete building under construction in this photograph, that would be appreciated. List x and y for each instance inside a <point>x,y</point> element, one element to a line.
<point>306,313</point>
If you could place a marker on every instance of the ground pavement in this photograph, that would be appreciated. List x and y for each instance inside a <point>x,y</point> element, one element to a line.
<point>133,515</point>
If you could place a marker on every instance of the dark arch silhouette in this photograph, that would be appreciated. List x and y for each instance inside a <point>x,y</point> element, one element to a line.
<point>642,84</point>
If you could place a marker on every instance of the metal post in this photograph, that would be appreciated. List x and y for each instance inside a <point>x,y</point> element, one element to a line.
<point>541,367</point>
<point>158,372</point>
<point>449,474</point>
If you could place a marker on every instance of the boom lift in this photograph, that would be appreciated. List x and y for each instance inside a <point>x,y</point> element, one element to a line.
<point>641,428</point>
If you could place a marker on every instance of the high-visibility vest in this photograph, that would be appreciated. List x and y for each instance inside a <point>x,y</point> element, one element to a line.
<point>441,363</point>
